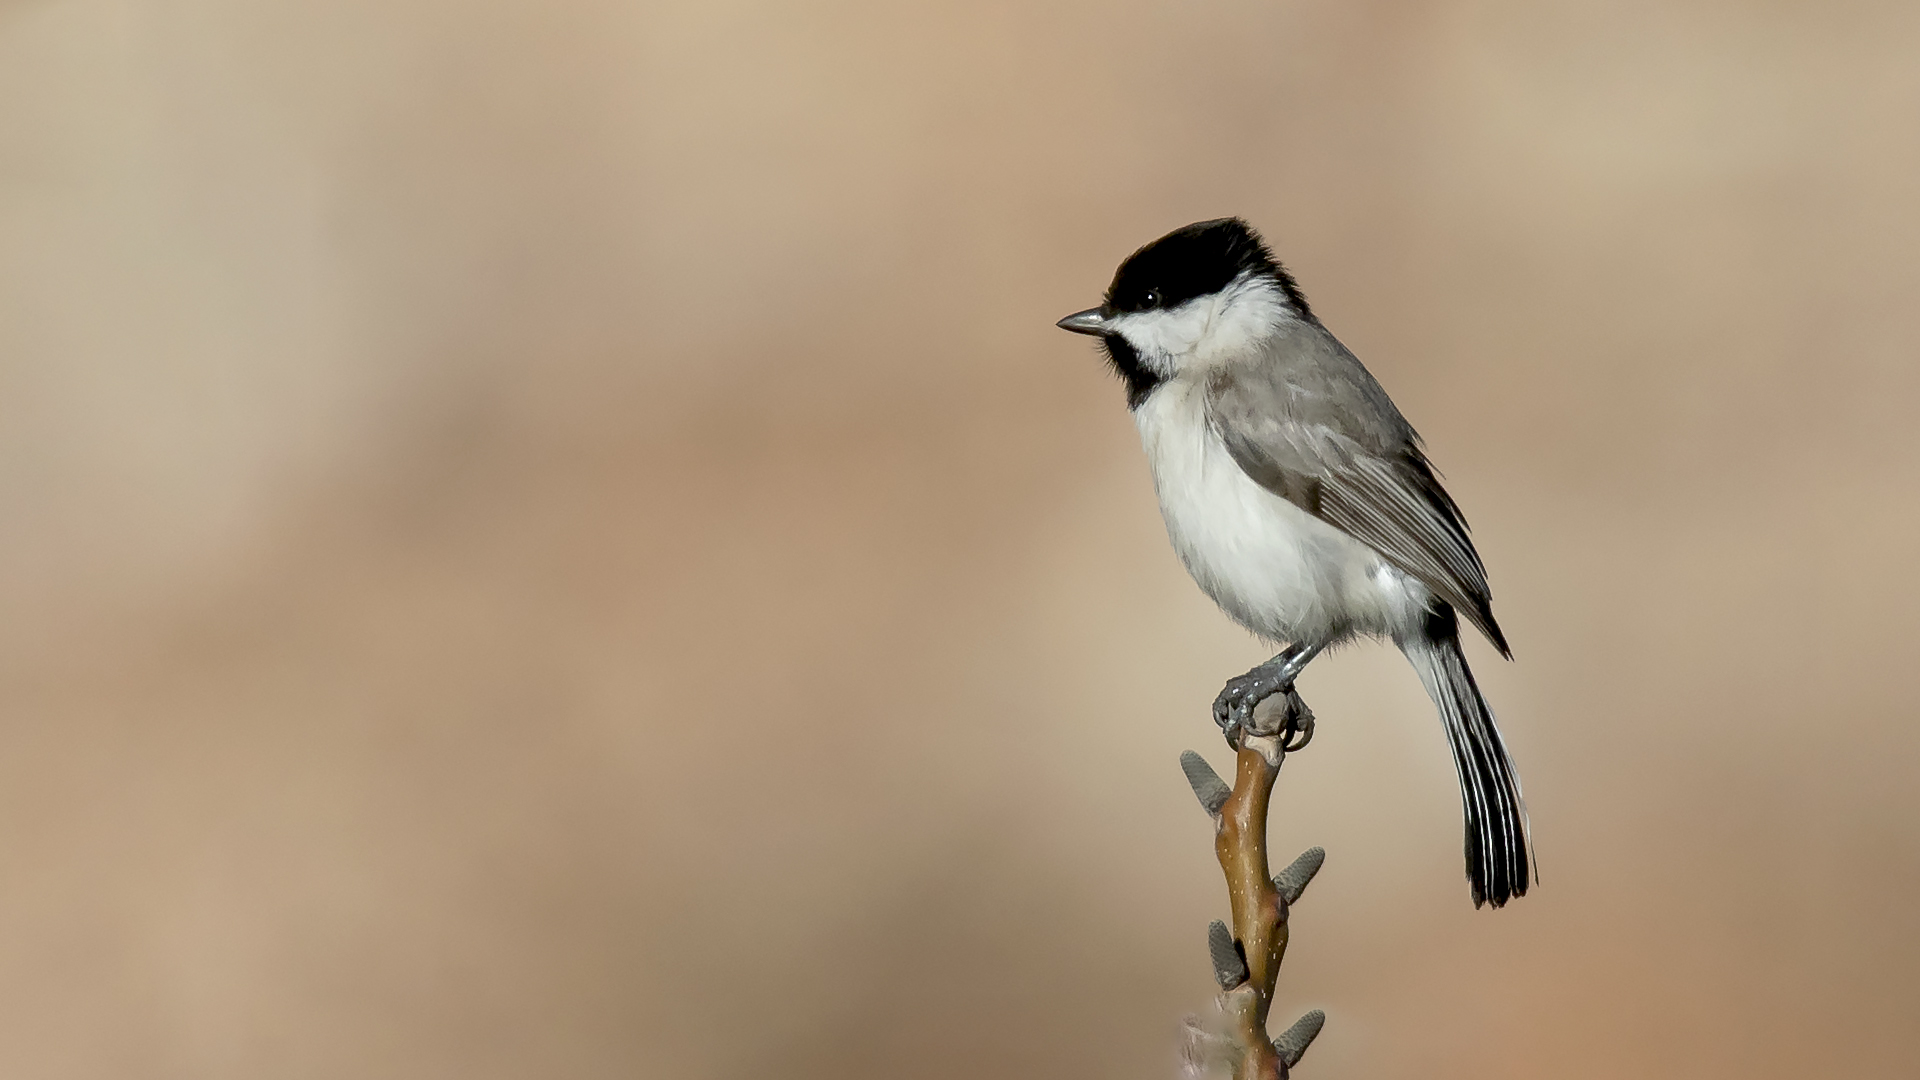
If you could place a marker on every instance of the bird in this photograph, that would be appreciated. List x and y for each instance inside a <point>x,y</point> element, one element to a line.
<point>1303,503</point>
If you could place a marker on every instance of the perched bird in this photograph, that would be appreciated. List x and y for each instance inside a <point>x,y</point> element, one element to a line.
<point>1301,501</point>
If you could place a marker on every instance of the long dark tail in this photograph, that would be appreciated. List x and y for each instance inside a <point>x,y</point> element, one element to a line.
<point>1499,854</point>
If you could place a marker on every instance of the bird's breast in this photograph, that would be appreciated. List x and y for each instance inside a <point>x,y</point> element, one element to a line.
<point>1274,568</point>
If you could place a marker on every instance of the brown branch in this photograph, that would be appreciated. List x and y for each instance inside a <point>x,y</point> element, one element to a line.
<point>1246,958</point>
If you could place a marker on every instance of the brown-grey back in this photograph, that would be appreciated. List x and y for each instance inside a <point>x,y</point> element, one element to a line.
<point>1305,374</point>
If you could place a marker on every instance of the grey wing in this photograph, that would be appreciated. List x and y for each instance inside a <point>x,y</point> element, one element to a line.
<point>1313,427</point>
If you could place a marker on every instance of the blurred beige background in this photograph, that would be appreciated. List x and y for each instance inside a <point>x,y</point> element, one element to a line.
<point>561,539</point>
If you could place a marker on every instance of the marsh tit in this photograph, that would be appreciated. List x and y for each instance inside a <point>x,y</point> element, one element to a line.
<point>1301,500</point>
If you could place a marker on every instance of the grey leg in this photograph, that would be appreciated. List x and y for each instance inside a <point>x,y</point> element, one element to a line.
<point>1233,709</point>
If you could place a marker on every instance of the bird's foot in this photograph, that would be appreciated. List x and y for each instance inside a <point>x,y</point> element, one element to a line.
<point>1234,709</point>
<point>1235,706</point>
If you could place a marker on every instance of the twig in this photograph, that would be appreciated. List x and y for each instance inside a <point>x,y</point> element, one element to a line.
<point>1246,958</point>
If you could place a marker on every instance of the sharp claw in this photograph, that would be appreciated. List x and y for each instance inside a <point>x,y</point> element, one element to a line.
<point>1224,709</point>
<point>1298,738</point>
<point>1299,730</point>
<point>1230,730</point>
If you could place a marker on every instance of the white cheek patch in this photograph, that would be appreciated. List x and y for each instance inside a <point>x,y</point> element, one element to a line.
<point>1163,337</point>
<point>1207,330</point>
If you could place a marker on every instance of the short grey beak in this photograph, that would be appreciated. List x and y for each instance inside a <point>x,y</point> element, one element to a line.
<point>1090,321</point>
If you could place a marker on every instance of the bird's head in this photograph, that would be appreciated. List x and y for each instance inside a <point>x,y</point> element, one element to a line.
<point>1192,299</point>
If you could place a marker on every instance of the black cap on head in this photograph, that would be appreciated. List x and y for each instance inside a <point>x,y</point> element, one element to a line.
<point>1197,260</point>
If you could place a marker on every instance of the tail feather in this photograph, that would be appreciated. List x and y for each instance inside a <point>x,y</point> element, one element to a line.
<point>1499,851</point>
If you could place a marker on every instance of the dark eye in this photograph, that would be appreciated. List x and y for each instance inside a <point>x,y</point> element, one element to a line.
<point>1152,298</point>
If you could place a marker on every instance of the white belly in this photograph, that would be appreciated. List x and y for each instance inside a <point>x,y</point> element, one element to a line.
<point>1276,569</point>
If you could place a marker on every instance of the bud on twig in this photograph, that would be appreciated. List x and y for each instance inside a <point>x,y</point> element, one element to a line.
<point>1294,1041</point>
<point>1229,966</point>
<point>1207,785</point>
<point>1292,881</point>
